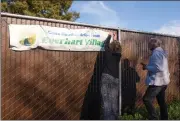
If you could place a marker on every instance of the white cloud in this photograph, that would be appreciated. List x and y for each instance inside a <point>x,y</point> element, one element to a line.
<point>100,13</point>
<point>172,28</point>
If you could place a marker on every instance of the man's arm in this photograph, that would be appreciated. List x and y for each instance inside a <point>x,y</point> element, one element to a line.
<point>156,62</point>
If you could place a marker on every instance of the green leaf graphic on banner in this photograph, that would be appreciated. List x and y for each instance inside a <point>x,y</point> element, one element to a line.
<point>28,41</point>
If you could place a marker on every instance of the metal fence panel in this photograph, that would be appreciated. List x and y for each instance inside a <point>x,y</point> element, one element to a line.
<point>135,49</point>
<point>42,84</point>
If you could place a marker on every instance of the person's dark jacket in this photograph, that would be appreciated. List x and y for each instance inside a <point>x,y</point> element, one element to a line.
<point>111,61</point>
<point>92,101</point>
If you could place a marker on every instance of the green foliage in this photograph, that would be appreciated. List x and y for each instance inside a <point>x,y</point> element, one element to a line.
<point>3,0</point>
<point>141,113</point>
<point>174,110</point>
<point>57,9</point>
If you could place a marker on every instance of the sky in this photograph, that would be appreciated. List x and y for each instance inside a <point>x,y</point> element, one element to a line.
<point>150,16</point>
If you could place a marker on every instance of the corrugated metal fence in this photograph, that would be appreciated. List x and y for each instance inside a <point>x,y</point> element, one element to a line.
<point>135,49</point>
<point>42,84</point>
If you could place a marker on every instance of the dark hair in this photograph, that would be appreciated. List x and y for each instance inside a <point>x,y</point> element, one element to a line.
<point>115,46</point>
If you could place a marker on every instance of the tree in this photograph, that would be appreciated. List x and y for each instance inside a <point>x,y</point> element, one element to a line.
<point>57,9</point>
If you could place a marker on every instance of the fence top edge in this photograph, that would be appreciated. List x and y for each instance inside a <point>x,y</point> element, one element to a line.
<point>152,33</point>
<point>3,14</point>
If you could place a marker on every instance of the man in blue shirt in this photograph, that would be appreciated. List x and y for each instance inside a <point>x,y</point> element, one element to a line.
<point>157,80</point>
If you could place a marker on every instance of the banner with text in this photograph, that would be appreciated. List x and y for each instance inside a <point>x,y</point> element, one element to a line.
<point>26,37</point>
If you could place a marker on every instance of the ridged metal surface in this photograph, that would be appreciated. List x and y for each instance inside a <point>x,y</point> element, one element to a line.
<point>135,49</point>
<point>42,84</point>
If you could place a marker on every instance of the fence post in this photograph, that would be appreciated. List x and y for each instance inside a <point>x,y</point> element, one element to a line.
<point>178,39</point>
<point>120,95</point>
<point>0,61</point>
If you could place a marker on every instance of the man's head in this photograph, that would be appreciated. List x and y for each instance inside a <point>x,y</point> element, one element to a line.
<point>154,43</point>
<point>115,46</point>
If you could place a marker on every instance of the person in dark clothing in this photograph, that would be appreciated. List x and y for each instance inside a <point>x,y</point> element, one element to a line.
<point>110,80</point>
<point>92,102</point>
<point>129,80</point>
<point>97,102</point>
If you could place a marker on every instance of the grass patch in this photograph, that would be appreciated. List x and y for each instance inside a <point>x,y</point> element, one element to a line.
<point>141,113</point>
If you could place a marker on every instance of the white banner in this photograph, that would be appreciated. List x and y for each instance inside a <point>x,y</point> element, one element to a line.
<point>26,37</point>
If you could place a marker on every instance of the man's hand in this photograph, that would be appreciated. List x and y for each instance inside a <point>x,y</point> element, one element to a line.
<point>144,66</point>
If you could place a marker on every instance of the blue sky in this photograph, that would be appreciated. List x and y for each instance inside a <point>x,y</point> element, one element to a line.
<point>152,16</point>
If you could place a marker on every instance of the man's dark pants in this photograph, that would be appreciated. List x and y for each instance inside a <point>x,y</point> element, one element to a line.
<point>159,93</point>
